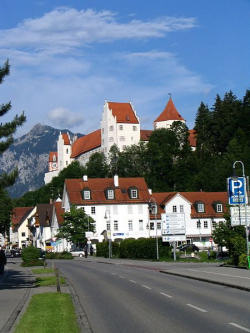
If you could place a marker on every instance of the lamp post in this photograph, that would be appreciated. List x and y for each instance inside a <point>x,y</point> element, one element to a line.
<point>107,216</point>
<point>155,212</point>
<point>245,202</point>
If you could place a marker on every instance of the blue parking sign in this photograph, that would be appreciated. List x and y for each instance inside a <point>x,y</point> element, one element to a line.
<point>236,190</point>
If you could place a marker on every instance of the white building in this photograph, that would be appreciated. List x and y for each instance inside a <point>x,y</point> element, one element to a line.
<point>120,125</point>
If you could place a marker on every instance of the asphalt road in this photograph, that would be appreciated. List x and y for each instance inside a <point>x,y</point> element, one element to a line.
<point>120,298</point>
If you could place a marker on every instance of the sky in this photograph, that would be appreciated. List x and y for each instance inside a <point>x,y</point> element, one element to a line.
<point>68,57</point>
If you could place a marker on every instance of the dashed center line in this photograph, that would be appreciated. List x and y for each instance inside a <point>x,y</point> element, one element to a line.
<point>196,308</point>
<point>132,281</point>
<point>144,286</point>
<point>240,327</point>
<point>113,273</point>
<point>169,296</point>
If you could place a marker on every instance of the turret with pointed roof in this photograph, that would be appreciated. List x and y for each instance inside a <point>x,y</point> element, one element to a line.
<point>168,116</point>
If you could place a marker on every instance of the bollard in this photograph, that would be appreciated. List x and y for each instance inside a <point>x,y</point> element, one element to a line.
<point>58,287</point>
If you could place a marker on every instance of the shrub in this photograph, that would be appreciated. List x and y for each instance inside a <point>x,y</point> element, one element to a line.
<point>58,255</point>
<point>35,262</point>
<point>31,254</point>
<point>243,260</point>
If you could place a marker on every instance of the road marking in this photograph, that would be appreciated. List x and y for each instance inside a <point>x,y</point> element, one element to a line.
<point>232,276</point>
<point>132,281</point>
<point>113,273</point>
<point>196,308</point>
<point>144,286</point>
<point>240,327</point>
<point>121,277</point>
<point>166,295</point>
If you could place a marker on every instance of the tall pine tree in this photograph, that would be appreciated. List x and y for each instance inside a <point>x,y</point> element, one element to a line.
<point>7,130</point>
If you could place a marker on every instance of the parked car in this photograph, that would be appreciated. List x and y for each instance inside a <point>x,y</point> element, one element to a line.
<point>188,248</point>
<point>77,253</point>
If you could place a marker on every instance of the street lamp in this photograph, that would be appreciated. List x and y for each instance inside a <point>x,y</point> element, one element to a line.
<point>108,218</point>
<point>154,205</point>
<point>245,202</point>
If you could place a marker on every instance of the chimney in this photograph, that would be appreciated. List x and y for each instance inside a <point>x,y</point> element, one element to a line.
<point>116,180</point>
<point>85,178</point>
<point>150,191</point>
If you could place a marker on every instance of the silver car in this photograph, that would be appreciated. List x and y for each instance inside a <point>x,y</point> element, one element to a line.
<point>77,253</point>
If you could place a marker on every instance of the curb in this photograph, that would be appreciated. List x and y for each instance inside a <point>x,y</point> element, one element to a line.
<point>207,280</point>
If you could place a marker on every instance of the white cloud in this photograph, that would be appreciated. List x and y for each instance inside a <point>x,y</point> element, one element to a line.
<point>64,118</point>
<point>64,29</point>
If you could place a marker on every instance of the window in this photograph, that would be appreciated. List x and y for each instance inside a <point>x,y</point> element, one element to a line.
<point>111,128</point>
<point>181,209</point>
<point>174,209</point>
<point>134,128</point>
<point>111,139</point>
<point>152,226</point>
<point>133,193</point>
<point>213,224</point>
<point>140,225</point>
<point>67,151</point>
<point>54,158</point>
<point>153,208</point>
<point>115,225</point>
<point>130,225</point>
<point>23,234</point>
<point>198,223</point>
<point>86,194</point>
<point>110,194</point>
<point>108,225</point>
<point>219,208</point>
<point>66,162</point>
<point>205,224</point>
<point>121,127</point>
<point>200,207</point>
<point>159,225</point>
<point>122,138</point>
<point>92,210</point>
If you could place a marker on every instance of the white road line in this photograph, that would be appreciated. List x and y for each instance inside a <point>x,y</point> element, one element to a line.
<point>232,276</point>
<point>196,308</point>
<point>113,273</point>
<point>121,277</point>
<point>166,295</point>
<point>132,281</point>
<point>144,286</point>
<point>240,327</point>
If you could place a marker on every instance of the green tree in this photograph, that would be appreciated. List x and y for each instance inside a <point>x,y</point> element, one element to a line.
<point>97,166</point>
<point>5,211</point>
<point>7,131</point>
<point>76,223</point>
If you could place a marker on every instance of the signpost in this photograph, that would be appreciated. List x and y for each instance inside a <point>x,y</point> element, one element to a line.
<point>173,228</point>
<point>237,190</point>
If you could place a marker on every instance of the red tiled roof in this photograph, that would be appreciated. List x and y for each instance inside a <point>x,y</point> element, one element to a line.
<point>19,214</point>
<point>145,135</point>
<point>59,212</point>
<point>51,155</point>
<point>123,112</point>
<point>208,198</point>
<point>86,143</point>
<point>169,113</point>
<point>97,187</point>
<point>66,139</point>
<point>192,138</point>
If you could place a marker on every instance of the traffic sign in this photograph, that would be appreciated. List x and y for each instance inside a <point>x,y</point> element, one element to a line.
<point>236,190</point>
<point>240,215</point>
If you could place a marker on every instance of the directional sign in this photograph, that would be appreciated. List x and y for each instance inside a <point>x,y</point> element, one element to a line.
<point>240,215</point>
<point>173,227</point>
<point>237,190</point>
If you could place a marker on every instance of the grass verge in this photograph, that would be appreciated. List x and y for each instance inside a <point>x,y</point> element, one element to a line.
<point>48,281</point>
<point>49,312</point>
<point>42,270</point>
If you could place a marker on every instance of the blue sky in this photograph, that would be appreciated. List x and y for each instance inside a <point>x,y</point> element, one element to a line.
<point>68,57</point>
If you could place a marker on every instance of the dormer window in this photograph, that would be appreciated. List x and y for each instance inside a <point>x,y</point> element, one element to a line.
<point>133,193</point>
<point>86,195</point>
<point>110,194</point>
<point>219,208</point>
<point>200,207</point>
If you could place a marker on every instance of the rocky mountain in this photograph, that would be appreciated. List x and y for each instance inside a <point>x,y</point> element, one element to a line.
<point>30,154</point>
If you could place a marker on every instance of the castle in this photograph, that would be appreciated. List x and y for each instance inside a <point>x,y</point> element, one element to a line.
<point>120,125</point>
